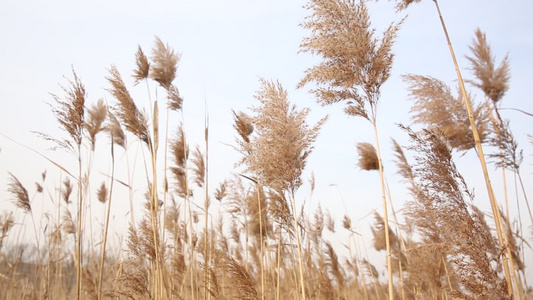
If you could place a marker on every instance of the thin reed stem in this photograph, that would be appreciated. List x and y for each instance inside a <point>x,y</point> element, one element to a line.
<point>206,205</point>
<point>385,211</point>
<point>79,229</point>
<point>106,226</point>
<point>298,244</point>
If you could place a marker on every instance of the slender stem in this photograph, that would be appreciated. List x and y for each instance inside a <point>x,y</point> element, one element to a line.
<point>106,226</point>
<point>206,207</point>
<point>261,241</point>
<point>525,195</point>
<point>298,244</point>
<point>479,148</point>
<point>278,264</point>
<point>79,231</point>
<point>385,211</point>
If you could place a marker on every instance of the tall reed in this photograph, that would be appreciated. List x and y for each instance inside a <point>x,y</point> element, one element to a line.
<point>355,65</point>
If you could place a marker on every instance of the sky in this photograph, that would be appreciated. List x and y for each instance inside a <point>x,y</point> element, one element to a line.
<point>226,47</point>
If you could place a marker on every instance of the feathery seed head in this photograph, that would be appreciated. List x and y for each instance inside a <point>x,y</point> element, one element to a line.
<point>165,64</point>
<point>70,112</point>
<point>277,154</point>
<point>492,80</point>
<point>368,158</point>
<point>19,193</point>
<point>97,115</point>
<point>355,63</point>
<point>67,190</point>
<point>115,131</point>
<point>126,110</point>
<point>102,193</point>
<point>142,69</point>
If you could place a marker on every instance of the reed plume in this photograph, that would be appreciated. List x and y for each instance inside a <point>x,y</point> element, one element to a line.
<point>70,113</point>
<point>198,167</point>
<point>163,70</point>
<point>440,213</point>
<point>102,193</point>
<point>96,116</point>
<point>244,127</point>
<point>165,61</point>
<point>6,223</point>
<point>20,194</point>
<point>240,283</point>
<point>116,132</point>
<point>180,154</point>
<point>436,107</point>
<point>67,190</point>
<point>142,70</point>
<point>283,140</point>
<point>368,158</point>
<point>492,80</point>
<point>126,110</point>
<point>403,4</point>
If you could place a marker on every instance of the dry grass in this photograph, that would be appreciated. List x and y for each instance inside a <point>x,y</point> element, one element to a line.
<point>264,242</point>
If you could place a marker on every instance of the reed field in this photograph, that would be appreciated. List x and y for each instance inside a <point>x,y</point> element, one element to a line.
<point>141,197</point>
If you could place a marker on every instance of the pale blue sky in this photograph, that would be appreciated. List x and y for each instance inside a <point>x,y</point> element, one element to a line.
<point>226,46</point>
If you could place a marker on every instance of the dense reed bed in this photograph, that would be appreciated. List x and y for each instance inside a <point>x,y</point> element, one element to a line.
<point>252,236</point>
